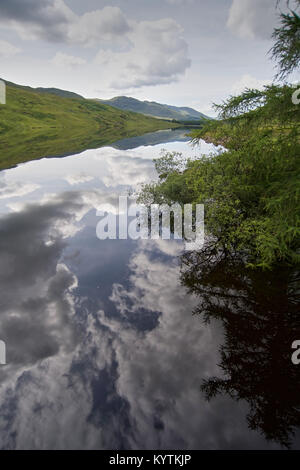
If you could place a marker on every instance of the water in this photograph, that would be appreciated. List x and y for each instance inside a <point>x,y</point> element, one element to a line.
<point>103,351</point>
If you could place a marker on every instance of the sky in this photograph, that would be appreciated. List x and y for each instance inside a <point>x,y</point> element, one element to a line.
<point>180,52</point>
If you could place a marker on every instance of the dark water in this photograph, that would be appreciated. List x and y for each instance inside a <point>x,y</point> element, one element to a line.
<point>103,348</point>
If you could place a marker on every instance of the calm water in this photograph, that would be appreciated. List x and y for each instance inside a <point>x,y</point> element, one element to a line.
<point>103,349</point>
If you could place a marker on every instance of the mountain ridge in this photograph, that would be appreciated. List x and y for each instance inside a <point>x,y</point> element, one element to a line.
<point>35,124</point>
<point>51,91</point>
<point>154,109</point>
<point>182,114</point>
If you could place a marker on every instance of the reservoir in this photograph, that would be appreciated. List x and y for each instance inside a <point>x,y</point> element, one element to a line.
<point>118,344</point>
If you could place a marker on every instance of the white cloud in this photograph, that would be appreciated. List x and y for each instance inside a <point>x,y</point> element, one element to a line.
<point>64,60</point>
<point>107,24</point>
<point>54,21</point>
<point>32,19</point>
<point>11,190</point>
<point>247,81</point>
<point>7,49</point>
<point>151,366</point>
<point>133,54</point>
<point>252,18</point>
<point>128,171</point>
<point>78,179</point>
<point>97,380</point>
<point>179,2</point>
<point>159,55</point>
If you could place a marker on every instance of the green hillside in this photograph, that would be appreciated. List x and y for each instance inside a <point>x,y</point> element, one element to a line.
<point>36,124</point>
<point>151,108</point>
<point>59,92</point>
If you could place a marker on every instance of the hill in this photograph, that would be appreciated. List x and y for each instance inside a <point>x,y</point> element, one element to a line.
<point>58,92</point>
<point>35,124</point>
<point>54,91</point>
<point>151,108</point>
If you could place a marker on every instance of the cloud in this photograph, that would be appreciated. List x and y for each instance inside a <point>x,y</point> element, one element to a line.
<point>54,21</point>
<point>159,55</point>
<point>12,190</point>
<point>38,11</point>
<point>65,60</point>
<point>180,2</point>
<point>32,19</point>
<point>247,81</point>
<point>36,305</point>
<point>127,384</point>
<point>252,18</point>
<point>79,178</point>
<point>160,371</point>
<point>128,170</point>
<point>106,24</point>
<point>7,49</point>
<point>116,385</point>
<point>133,54</point>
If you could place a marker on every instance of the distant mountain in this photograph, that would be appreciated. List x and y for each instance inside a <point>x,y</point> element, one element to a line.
<point>151,108</point>
<point>52,91</point>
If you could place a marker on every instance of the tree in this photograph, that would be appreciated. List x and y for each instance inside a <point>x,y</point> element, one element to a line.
<point>286,50</point>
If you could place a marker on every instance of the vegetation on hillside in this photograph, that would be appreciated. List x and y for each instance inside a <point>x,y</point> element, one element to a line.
<point>35,124</point>
<point>59,92</point>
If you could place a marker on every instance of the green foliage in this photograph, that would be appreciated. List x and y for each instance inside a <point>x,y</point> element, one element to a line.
<point>251,190</point>
<point>286,50</point>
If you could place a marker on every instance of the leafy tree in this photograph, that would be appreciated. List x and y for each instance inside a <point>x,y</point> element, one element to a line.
<point>251,191</point>
<point>286,50</point>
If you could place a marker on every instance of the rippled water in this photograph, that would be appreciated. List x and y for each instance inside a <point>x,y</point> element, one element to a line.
<point>103,351</point>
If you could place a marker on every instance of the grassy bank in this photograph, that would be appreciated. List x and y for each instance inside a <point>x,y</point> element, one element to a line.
<point>35,124</point>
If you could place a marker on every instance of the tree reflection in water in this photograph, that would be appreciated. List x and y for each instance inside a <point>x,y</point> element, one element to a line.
<point>260,317</point>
